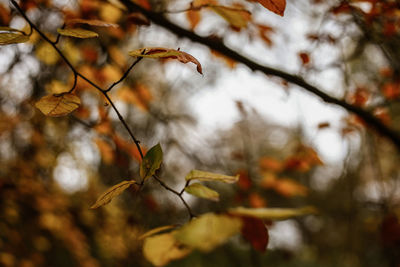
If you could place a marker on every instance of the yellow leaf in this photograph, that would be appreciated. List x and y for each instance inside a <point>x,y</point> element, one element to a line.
<point>208,176</point>
<point>236,17</point>
<point>208,231</point>
<point>77,33</point>
<point>47,54</point>
<point>91,22</point>
<point>57,105</point>
<point>12,38</point>
<point>161,249</point>
<point>157,230</point>
<point>272,213</point>
<point>110,13</point>
<point>159,52</point>
<point>202,191</point>
<point>112,192</point>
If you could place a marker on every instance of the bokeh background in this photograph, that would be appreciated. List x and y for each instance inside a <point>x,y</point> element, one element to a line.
<point>289,147</point>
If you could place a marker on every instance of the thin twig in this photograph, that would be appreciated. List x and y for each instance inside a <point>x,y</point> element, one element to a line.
<point>124,75</point>
<point>105,93</point>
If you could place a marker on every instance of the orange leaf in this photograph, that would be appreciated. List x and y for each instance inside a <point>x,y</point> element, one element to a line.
<point>256,201</point>
<point>276,6</point>
<point>194,18</point>
<point>270,164</point>
<point>391,90</point>
<point>290,188</point>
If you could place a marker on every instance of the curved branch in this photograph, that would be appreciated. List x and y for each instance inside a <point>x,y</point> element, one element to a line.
<point>218,45</point>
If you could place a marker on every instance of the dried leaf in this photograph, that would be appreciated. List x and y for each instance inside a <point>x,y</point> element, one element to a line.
<point>194,18</point>
<point>77,33</point>
<point>157,230</point>
<point>12,38</point>
<point>112,192</point>
<point>236,17</point>
<point>159,52</point>
<point>91,22</point>
<point>161,249</point>
<point>57,105</point>
<point>208,231</point>
<point>151,162</point>
<point>276,6</point>
<point>272,213</point>
<point>209,176</point>
<point>202,191</point>
<point>255,232</point>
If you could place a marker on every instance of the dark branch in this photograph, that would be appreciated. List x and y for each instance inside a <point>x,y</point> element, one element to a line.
<point>217,45</point>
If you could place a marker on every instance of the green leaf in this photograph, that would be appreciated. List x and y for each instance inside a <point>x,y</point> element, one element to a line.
<point>209,176</point>
<point>57,105</point>
<point>208,231</point>
<point>161,249</point>
<point>272,213</point>
<point>151,162</point>
<point>160,52</point>
<point>202,191</point>
<point>112,192</point>
<point>12,38</point>
<point>77,33</point>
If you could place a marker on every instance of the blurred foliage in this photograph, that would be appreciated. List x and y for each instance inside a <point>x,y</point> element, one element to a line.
<point>53,169</point>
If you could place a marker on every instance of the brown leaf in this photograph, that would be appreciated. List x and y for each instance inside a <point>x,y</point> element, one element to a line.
<point>159,52</point>
<point>276,6</point>
<point>112,192</point>
<point>58,104</point>
<point>77,33</point>
<point>91,22</point>
<point>255,232</point>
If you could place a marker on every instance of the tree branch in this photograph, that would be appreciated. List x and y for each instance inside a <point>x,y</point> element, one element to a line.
<point>218,45</point>
<point>105,93</point>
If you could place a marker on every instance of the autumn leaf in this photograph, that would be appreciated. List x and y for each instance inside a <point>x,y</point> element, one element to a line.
<point>202,191</point>
<point>157,231</point>
<point>194,18</point>
<point>208,231</point>
<point>255,232</point>
<point>91,22</point>
<point>209,176</point>
<point>276,6</point>
<point>161,249</point>
<point>151,162</point>
<point>77,33</point>
<point>272,213</point>
<point>12,38</point>
<point>10,35</point>
<point>112,192</point>
<point>57,105</point>
<point>159,52</point>
<point>237,17</point>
